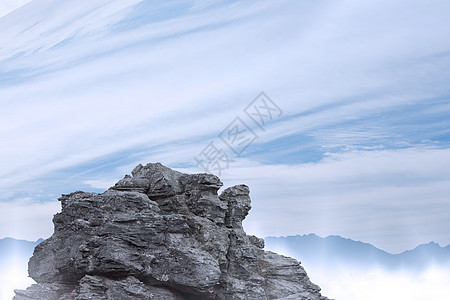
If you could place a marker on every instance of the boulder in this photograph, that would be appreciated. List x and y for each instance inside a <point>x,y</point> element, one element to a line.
<point>161,234</point>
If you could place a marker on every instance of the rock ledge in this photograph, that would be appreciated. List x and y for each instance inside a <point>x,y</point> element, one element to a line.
<point>160,234</point>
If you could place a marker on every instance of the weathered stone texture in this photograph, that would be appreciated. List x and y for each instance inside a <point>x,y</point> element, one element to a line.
<point>160,234</point>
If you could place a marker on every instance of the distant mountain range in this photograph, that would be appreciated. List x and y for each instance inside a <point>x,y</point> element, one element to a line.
<point>338,251</point>
<point>10,247</point>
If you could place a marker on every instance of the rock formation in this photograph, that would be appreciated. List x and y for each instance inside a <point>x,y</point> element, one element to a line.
<point>160,234</point>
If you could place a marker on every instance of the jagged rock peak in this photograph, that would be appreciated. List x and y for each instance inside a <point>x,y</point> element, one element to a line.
<point>160,234</point>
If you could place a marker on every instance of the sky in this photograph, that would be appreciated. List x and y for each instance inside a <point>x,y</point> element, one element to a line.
<point>344,108</point>
<point>7,6</point>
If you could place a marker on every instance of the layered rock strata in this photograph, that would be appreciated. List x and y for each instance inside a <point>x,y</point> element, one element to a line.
<point>160,234</point>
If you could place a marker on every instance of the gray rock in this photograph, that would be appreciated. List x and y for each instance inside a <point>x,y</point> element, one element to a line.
<point>160,234</point>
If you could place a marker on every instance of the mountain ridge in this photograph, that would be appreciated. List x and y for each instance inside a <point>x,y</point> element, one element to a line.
<point>338,250</point>
<point>17,246</point>
<point>431,243</point>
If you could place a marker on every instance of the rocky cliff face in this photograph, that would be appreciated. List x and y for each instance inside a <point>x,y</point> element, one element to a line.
<point>160,234</point>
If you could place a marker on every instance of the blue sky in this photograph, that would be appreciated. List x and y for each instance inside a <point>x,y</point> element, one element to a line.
<point>88,91</point>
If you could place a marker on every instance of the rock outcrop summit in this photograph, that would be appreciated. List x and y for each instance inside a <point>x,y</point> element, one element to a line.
<point>160,234</point>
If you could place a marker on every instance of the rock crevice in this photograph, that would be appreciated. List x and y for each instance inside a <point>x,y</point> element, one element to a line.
<point>160,234</point>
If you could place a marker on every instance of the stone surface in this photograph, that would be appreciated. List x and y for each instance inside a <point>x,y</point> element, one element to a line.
<point>160,234</point>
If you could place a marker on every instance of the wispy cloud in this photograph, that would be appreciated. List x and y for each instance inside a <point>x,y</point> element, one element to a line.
<point>7,6</point>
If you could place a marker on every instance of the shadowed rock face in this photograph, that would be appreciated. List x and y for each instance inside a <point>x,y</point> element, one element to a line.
<point>160,234</point>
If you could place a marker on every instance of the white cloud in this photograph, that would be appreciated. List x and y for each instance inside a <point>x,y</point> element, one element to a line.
<point>375,284</point>
<point>27,220</point>
<point>101,184</point>
<point>7,6</point>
